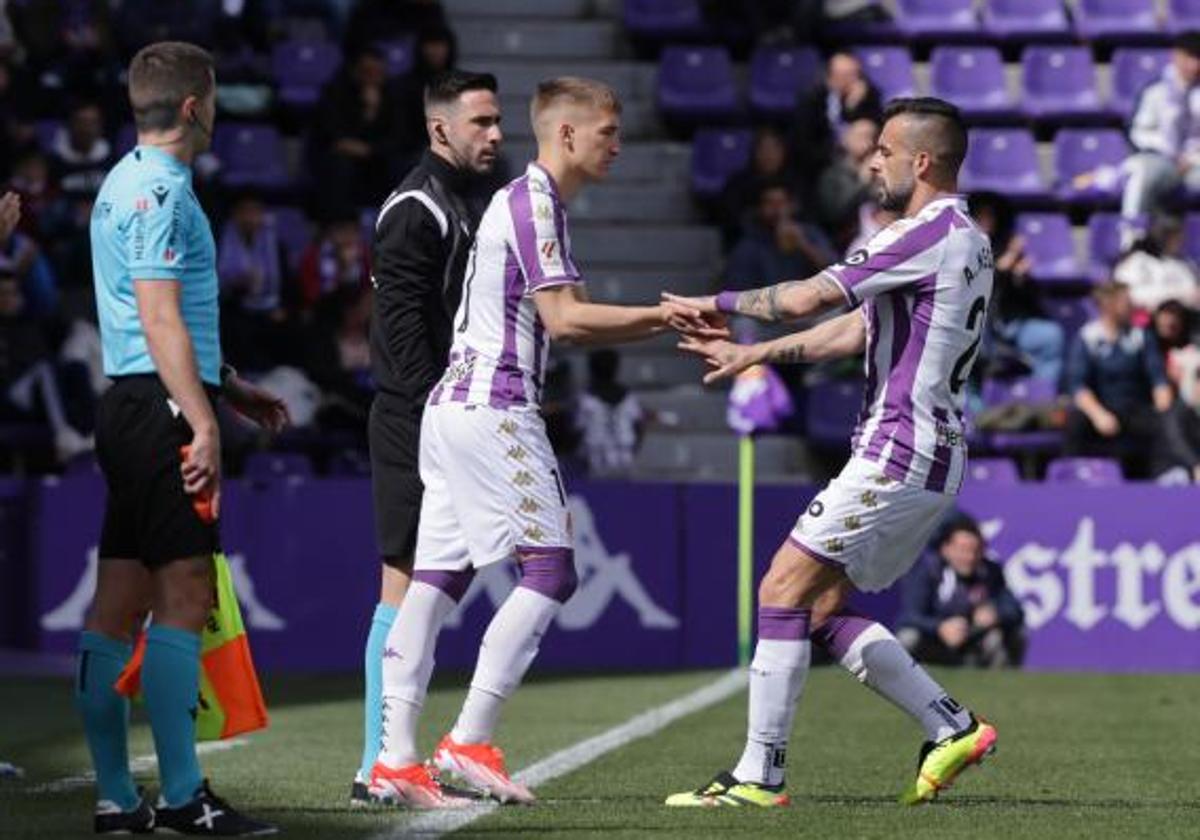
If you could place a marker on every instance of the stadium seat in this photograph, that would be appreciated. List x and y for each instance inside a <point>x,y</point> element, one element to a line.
<point>251,155</point>
<point>301,68</point>
<point>1025,20</point>
<point>972,78</point>
<point>1071,313</point>
<point>1050,247</point>
<point>1092,471</point>
<point>1059,83</point>
<point>1104,245</point>
<point>937,19</point>
<point>1191,236</point>
<point>715,455</point>
<point>778,74</point>
<point>292,230</point>
<point>1132,69</point>
<point>890,68</point>
<point>270,465</point>
<point>832,412</point>
<point>400,55</point>
<point>1115,20</point>
<point>1097,152</point>
<point>688,409</point>
<point>697,83</point>
<point>718,153</point>
<point>1023,390</point>
<point>1183,16</point>
<point>1002,160</point>
<point>992,471</point>
<point>664,20</point>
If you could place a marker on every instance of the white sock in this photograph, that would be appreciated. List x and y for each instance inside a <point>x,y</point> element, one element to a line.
<point>508,649</point>
<point>878,660</point>
<point>777,677</point>
<point>407,666</point>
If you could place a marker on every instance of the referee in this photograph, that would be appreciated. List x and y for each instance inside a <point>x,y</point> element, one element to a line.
<point>154,263</point>
<point>423,236</point>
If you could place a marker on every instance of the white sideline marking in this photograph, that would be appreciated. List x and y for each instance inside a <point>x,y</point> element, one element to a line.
<point>138,764</point>
<point>434,824</point>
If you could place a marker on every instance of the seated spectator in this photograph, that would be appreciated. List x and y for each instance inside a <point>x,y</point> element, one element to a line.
<point>357,135</point>
<point>768,163</point>
<point>1165,132</point>
<point>29,385</point>
<point>338,260</point>
<point>610,418</point>
<point>1157,269</point>
<point>32,180</point>
<point>436,53</point>
<point>1018,328</point>
<point>80,158</point>
<point>824,112</point>
<point>22,258</point>
<point>340,359</point>
<point>1173,326</point>
<point>957,609</point>
<point>776,246</point>
<point>375,21</point>
<point>845,186</point>
<point>69,44</point>
<point>1123,404</point>
<point>142,22</point>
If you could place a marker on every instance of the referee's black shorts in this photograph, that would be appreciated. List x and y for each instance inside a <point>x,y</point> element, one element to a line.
<point>394,435</point>
<point>148,515</point>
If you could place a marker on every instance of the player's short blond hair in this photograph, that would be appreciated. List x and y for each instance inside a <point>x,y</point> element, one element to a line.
<point>573,90</point>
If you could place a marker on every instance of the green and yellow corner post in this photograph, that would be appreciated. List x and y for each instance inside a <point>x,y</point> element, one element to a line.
<point>745,592</point>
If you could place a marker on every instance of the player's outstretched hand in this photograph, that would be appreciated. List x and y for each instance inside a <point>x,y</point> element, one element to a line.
<point>257,404</point>
<point>698,321</point>
<point>727,358</point>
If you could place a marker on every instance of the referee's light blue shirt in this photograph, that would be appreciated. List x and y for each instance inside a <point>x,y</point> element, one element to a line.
<point>148,225</point>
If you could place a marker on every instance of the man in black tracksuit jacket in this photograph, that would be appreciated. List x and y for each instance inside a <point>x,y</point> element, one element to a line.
<point>423,236</point>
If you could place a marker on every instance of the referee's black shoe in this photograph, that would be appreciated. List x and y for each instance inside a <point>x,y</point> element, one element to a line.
<point>210,815</point>
<point>110,819</point>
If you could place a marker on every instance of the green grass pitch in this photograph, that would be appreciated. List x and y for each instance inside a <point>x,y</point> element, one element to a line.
<point>1080,756</point>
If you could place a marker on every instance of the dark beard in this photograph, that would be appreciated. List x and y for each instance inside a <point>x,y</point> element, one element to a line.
<point>894,202</point>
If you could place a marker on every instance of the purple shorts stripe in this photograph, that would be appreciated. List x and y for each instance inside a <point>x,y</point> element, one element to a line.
<point>823,559</point>
<point>548,570</point>
<point>840,630</point>
<point>784,624</point>
<point>453,584</point>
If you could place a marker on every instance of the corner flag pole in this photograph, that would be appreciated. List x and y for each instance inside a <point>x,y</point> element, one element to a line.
<point>745,598</point>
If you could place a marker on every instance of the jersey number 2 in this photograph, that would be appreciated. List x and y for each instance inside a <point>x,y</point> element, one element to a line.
<point>958,376</point>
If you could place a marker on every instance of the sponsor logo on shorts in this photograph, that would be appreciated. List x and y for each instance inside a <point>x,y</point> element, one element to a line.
<point>834,545</point>
<point>869,499</point>
<point>534,533</point>
<point>508,426</point>
<point>529,505</point>
<point>816,508</point>
<point>852,522</point>
<point>517,453</point>
<point>882,480</point>
<point>948,437</point>
<point>522,479</point>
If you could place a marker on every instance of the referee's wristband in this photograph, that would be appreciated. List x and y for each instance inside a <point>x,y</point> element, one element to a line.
<point>727,302</point>
<point>227,372</point>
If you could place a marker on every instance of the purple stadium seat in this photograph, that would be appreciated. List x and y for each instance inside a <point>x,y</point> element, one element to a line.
<point>1097,472</point>
<point>972,78</point>
<point>251,155</point>
<point>46,131</point>
<point>1183,16</point>
<point>1025,20</point>
<point>697,83</point>
<point>301,68</point>
<point>992,471</point>
<point>1071,313</point>
<point>1050,247</point>
<point>832,410</point>
<point>126,138</point>
<point>1002,160</point>
<point>1104,245</point>
<point>293,231</point>
<point>1082,151</point>
<point>1059,82</point>
<point>1132,69</point>
<point>400,55</point>
<point>778,74</point>
<point>1115,20</point>
<point>1191,236</point>
<point>937,18</point>
<point>890,68</point>
<point>1025,390</point>
<point>662,20</point>
<point>268,465</point>
<point>717,153</point>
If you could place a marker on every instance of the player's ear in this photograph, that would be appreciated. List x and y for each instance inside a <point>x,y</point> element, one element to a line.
<point>567,132</point>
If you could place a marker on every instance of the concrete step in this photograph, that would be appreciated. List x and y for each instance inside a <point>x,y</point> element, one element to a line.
<point>639,118</point>
<point>650,161</point>
<point>646,245</point>
<point>537,38</point>
<point>645,287</point>
<point>520,77</point>
<point>463,10</point>
<point>669,203</point>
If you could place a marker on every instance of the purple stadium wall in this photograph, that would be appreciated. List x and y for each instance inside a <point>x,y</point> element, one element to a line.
<point>1110,577</point>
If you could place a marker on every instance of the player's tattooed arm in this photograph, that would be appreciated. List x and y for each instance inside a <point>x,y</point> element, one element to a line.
<point>786,301</point>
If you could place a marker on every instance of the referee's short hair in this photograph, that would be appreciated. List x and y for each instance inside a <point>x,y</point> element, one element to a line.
<point>941,129</point>
<point>161,76</point>
<point>445,88</point>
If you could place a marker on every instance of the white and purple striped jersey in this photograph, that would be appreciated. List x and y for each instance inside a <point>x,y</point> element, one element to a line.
<point>924,283</point>
<point>500,344</point>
